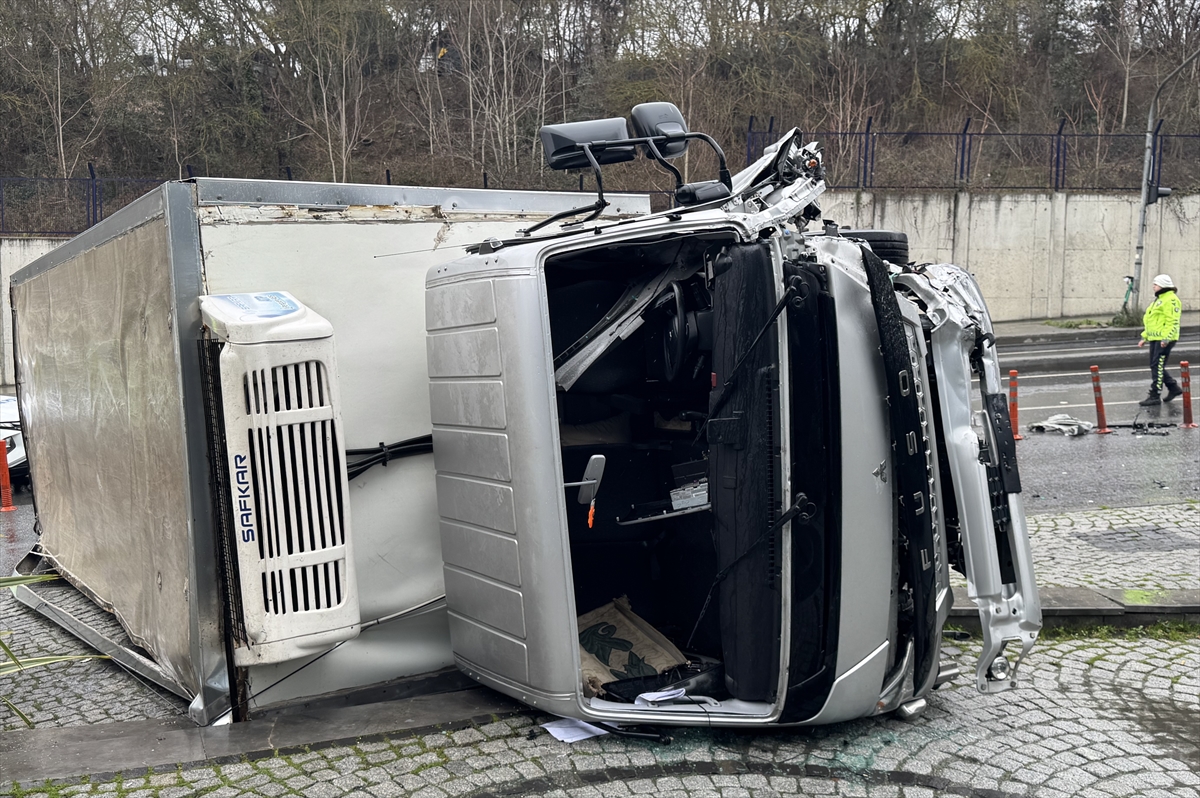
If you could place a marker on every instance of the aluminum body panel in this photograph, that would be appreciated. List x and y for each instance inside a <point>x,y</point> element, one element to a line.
<point>215,190</point>
<point>208,654</point>
<point>144,208</point>
<point>102,403</point>
<point>378,305</point>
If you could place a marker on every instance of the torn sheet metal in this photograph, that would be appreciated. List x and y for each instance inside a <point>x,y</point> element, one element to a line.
<point>607,332</point>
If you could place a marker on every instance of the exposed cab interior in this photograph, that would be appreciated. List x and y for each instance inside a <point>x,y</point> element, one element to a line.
<point>645,336</point>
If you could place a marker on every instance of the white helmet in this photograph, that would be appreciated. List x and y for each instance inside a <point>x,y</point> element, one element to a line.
<point>1164,281</point>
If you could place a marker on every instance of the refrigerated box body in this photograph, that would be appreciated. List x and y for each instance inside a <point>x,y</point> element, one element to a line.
<point>142,415</point>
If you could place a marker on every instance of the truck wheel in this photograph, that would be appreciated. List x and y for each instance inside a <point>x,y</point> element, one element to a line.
<point>889,245</point>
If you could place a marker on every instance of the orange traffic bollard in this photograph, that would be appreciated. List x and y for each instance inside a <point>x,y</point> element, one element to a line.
<point>1012,405</point>
<point>1101,422</point>
<point>6,502</point>
<point>1185,378</point>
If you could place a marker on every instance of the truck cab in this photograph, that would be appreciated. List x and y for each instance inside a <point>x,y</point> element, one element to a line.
<point>706,466</point>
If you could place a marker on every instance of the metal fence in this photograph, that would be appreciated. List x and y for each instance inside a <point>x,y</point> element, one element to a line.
<point>1059,161</point>
<point>54,206</point>
<point>866,159</point>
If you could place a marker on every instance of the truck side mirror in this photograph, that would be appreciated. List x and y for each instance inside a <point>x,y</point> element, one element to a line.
<point>563,143</point>
<point>590,484</point>
<point>661,119</point>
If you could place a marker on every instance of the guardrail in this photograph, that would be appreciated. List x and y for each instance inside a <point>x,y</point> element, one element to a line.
<point>1058,161</point>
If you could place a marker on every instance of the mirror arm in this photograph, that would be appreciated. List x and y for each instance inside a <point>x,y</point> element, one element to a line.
<point>601,203</point>
<point>595,209</point>
<point>726,178</point>
<point>663,162</point>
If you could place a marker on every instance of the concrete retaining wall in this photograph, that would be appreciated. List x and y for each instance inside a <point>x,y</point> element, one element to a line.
<point>1038,255</point>
<point>15,254</point>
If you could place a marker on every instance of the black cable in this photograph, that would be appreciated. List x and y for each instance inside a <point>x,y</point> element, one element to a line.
<point>385,453</point>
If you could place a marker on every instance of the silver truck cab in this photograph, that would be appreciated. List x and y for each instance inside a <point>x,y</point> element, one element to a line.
<point>756,443</point>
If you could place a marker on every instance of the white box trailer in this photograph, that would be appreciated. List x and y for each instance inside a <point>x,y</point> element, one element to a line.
<point>117,393</point>
<point>771,431</point>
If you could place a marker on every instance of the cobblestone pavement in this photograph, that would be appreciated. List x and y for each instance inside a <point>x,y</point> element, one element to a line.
<point>79,692</point>
<point>1093,718</point>
<point>1132,548</point>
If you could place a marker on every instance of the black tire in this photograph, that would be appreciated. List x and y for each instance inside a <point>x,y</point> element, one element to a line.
<point>889,245</point>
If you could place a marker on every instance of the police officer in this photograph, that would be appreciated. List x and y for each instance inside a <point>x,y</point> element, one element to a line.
<point>1161,323</point>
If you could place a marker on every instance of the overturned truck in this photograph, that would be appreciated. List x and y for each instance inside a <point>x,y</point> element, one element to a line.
<point>702,466</point>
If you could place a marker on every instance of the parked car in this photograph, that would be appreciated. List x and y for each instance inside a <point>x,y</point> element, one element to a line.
<point>14,441</point>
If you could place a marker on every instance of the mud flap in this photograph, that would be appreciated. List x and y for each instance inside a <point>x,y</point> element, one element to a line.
<point>744,473</point>
<point>911,486</point>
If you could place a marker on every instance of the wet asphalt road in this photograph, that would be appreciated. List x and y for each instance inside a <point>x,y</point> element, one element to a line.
<point>1124,468</point>
<point>16,531</point>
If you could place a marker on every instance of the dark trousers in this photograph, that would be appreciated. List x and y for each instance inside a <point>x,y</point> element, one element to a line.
<point>1159,352</point>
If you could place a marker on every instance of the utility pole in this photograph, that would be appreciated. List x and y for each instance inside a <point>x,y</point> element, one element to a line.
<point>1146,199</point>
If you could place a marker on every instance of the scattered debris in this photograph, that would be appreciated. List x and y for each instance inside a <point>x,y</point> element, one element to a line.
<point>1061,422</point>
<point>569,730</point>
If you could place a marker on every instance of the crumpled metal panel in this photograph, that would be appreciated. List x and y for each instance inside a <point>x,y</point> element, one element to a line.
<point>102,403</point>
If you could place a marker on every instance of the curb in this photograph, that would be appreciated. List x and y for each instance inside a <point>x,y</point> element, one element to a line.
<point>103,751</point>
<point>66,754</point>
<point>1097,335</point>
<point>1081,607</point>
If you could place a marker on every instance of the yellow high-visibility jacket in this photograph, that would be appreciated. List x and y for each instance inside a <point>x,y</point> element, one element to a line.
<point>1161,319</point>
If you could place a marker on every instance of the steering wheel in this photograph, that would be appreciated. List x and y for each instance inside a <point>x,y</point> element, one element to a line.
<point>675,337</point>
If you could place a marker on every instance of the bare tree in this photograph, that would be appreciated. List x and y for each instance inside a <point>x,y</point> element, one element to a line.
<point>75,58</point>
<point>323,73</point>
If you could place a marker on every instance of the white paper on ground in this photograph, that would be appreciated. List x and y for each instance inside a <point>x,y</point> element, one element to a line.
<point>660,697</point>
<point>570,730</point>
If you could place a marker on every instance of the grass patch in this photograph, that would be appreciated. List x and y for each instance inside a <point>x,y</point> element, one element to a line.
<point>1173,631</point>
<point>1074,324</point>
